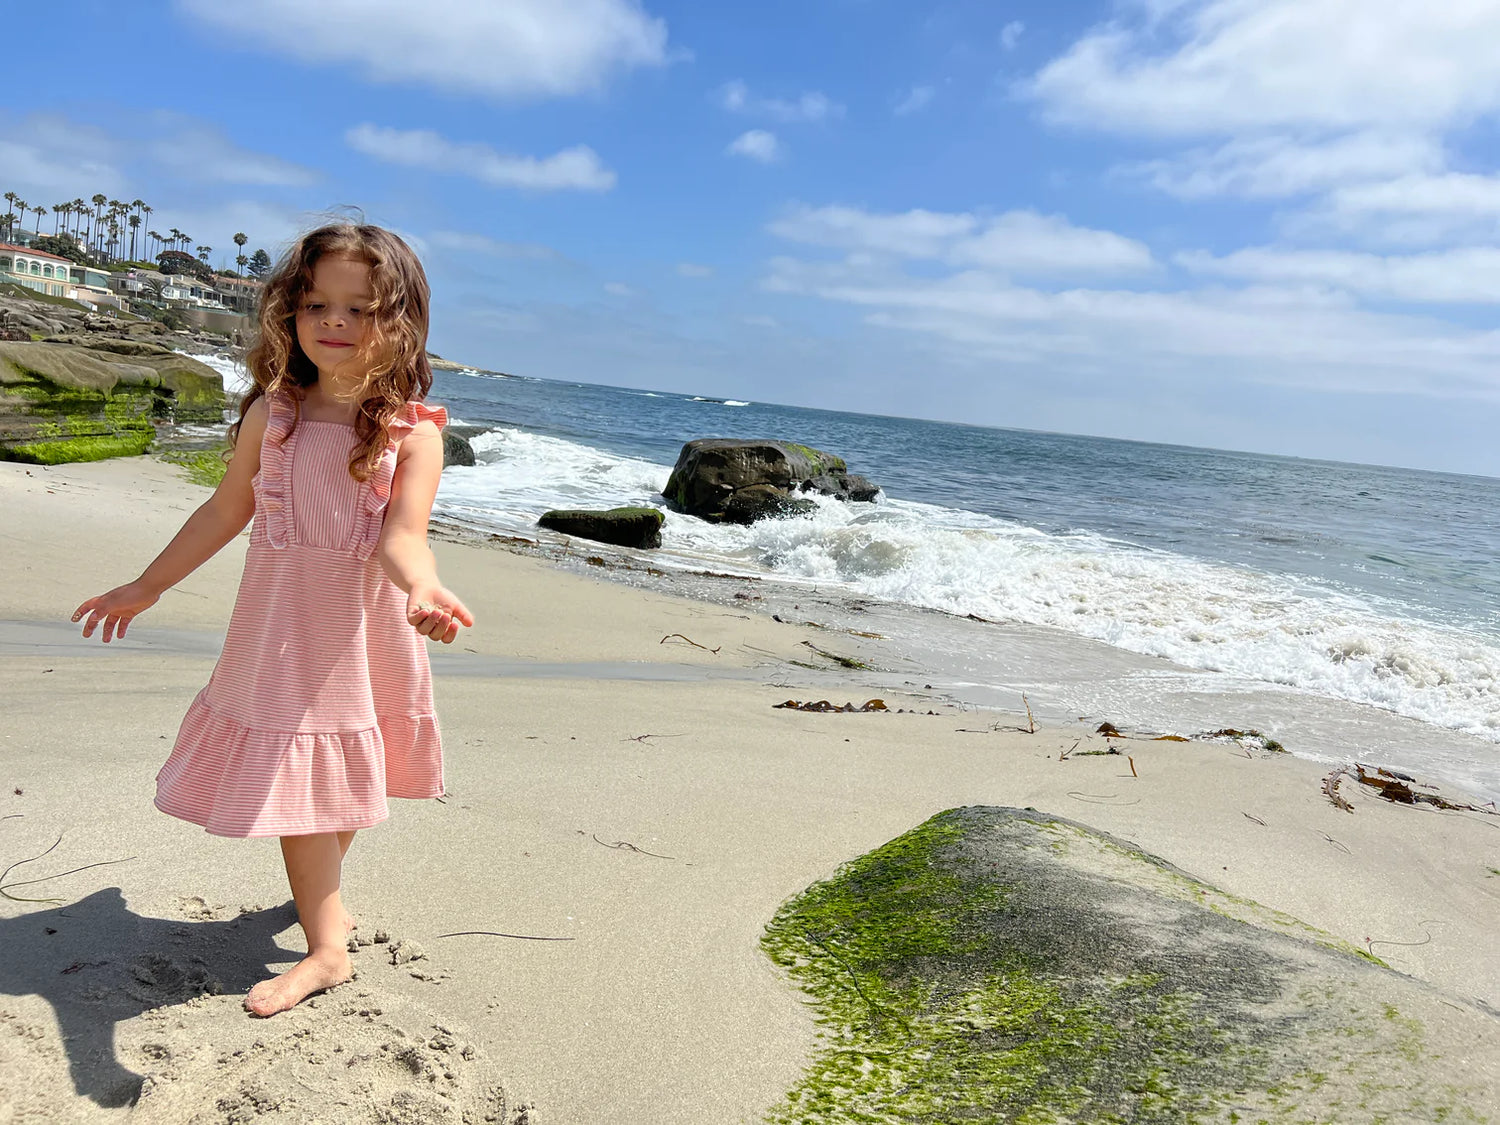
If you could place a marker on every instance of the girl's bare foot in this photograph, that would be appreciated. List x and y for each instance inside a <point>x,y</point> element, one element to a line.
<point>313,973</point>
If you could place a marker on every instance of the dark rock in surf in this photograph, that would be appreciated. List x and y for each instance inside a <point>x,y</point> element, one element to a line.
<point>456,449</point>
<point>763,501</point>
<point>725,480</point>
<point>624,527</point>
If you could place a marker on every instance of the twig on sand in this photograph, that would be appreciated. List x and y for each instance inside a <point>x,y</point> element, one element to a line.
<point>1336,843</point>
<point>496,933</point>
<point>1331,789</point>
<point>1102,798</point>
<point>1370,942</point>
<point>1062,755</point>
<point>1030,722</point>
<point>690,641</point>
<point>1257,819</point>
<point>643,737</point>
<point>625,845</point>
<point>5,887</point>
<point>1131,760</point>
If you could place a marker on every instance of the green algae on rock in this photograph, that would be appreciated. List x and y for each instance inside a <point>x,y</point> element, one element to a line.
<point>999,965</point>
<point>73,402</point>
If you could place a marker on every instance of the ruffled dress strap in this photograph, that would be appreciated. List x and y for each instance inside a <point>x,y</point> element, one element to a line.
<point>272,484</point>
<point>378,492</point>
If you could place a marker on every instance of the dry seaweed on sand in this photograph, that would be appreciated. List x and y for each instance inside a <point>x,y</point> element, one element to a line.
<point>1403,789</point>
<point>1254,737</point>
<point>825,706</point>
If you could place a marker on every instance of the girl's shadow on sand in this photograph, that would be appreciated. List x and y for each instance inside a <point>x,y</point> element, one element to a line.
<point>98,963</point>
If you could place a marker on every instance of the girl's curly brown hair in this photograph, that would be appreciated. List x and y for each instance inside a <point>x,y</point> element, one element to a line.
<point>395,347</point>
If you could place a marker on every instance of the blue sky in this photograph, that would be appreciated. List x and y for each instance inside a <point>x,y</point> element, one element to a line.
<point>1254,224</point>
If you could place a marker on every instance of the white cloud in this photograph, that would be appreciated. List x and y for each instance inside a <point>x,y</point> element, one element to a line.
<point>760,320</point>
<point>1465,275</point>
<point>50,153</point>
<point>757,144</point>
<point>692,269</point>
<point>471,243</point>
<point>514,49</point>
<point>1279,166</point>
<point>1294,337</point>
<point>917,98</point>
<point>62,156</point>
<point>201,152</point>
<point>1010,34</point>
<point>576,169</point>
<point>618,289</point>
<point>1453,193</point>
<point>1229,65</point>
<point>811,106</point>
<point>1017,241</point>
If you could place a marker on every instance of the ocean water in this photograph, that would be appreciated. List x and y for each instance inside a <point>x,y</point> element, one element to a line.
<point>1351,611</point>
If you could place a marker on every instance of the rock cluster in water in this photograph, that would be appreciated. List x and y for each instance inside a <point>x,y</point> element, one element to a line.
<point>725,480</point>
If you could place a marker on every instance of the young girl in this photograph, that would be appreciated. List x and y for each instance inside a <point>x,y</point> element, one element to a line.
<point>320,706</point>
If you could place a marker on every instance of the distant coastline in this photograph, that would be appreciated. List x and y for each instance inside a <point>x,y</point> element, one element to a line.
<point>441,364</point>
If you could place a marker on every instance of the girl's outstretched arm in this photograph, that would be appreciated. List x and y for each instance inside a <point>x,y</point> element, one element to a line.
<point>220,518</point>
<point>433,610</point>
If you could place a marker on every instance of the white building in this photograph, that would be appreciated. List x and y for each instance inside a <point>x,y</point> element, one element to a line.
<point>42,272</point>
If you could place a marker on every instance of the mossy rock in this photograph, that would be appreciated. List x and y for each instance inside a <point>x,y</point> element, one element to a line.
<point>624,527</point>
<point>999,965</point>
<point>70,398</point>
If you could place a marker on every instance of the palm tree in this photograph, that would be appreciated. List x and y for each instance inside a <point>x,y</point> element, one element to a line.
<point>21,207</point>
<point>80,208</point>
<point>240,239</point>
<point>9,219</point>
<point>99,200</point>
<point>12,199</point>
<point>203,253</point>
<point>135,225</point>
<point>57,210</point>
<point>155,237</point>
<point>146,214</point>
<point>242,261</point>
<point>40,213</point>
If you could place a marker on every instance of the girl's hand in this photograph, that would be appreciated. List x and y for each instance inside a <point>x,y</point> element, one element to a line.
<point>116,609</point>
<point>434,612</point>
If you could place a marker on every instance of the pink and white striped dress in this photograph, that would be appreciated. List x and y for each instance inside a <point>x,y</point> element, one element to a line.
<point>320,706</point>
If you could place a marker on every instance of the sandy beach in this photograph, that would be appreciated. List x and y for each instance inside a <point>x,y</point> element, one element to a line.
<point>644,801</point>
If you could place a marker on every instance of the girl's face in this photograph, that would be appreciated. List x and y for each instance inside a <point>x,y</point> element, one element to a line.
<point>333,319</point>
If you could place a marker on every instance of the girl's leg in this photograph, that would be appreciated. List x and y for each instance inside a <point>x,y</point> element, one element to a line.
<point>345,839</point>
<point>312,868</point>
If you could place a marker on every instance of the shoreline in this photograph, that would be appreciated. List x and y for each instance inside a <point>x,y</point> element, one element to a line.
<point>1321,726</point>
<point>657,823</point>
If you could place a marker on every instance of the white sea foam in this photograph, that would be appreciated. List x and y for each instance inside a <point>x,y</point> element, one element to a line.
<point>1245,623</point>
<point>232,371</point>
